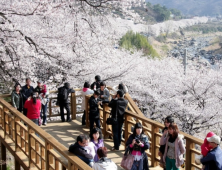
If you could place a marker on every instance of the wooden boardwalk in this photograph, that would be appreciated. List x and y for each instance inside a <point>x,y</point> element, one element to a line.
<point>67,132</point>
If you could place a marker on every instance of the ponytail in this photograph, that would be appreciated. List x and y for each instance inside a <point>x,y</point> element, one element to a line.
<point>34,97</point>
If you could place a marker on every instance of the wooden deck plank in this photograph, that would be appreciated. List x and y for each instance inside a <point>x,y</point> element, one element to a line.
<point>67,132</point>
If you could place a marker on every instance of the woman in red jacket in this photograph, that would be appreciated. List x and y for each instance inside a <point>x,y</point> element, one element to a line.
<point>33,106</point>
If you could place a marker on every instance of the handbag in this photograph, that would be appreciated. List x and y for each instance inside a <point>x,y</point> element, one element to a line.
<point>40,121</point>
<point>109,120</point>
<point>112,121</point>
<point>127,160</point>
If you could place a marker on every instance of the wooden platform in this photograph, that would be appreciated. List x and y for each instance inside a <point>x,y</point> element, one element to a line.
<point>67,132</point>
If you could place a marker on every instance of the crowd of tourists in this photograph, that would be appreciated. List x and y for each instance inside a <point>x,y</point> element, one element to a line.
<point>31,101</point>
<point>90,148</point>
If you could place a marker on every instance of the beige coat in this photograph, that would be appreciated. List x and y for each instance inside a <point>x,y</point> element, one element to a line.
<point>179,149</point>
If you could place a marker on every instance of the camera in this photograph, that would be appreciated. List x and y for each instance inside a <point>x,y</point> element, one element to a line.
<point>137,141</point>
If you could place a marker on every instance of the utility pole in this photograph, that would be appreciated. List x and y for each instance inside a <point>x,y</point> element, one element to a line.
<point>185,61</point>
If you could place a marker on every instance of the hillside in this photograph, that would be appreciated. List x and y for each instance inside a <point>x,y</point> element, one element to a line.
<point>193,7</point>
<point>146,12</point>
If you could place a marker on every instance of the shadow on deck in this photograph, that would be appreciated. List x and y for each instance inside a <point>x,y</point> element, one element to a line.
<point>67,132</point>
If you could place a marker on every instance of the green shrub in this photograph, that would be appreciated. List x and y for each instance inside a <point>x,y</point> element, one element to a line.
<point>161,38</point>
<point>137,41</point>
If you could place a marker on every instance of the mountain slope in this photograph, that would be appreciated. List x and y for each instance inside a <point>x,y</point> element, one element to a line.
<point>193,7</point>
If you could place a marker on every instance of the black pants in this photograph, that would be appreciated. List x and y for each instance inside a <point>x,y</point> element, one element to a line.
<point>117,134</point>
<point>25,111</point>
<point>84,118</point>
<point>92,120</point>
<point>66,106</point>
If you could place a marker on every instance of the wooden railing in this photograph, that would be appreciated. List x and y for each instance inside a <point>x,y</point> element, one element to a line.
<point>73,102</point>
<point>151,128</point>
<point>31,146</point>
<point>46,152</point>
<point>52,103</point>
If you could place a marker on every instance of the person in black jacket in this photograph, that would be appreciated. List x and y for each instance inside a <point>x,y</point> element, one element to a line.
<point>94,110</point>
<point>96,85</point>
<point>118,106</point>
<point>78,149</point>
<point>63,95</point>
<point>38,88</point>
<point>138,143</point>
<point>26,93</point>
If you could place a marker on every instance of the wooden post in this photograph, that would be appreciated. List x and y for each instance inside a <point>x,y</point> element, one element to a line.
<point>56,164</point>
<point>3,156</point>
<point>105,116</point>
<point>31,143</point>
<point>16,136</point>
<point>70,166</point>
<point>73,105</point>
<point>48,156</point>
<point>87,110</point>
<point>189,155</point>
<point>126,134</point>
<point>153,148</point>
<point>17,165</point>
<point>47,146</point>
<point>3,123</point>
<point>50,107</point>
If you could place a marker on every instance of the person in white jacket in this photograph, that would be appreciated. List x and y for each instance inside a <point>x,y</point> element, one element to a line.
<point>90,148</point>
<point>85,91</point>
<point>104,163</point>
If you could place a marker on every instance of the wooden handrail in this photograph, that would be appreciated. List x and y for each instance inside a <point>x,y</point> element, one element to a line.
<point>151,128</point>
<point>17,132</point>
<point>28,144</point>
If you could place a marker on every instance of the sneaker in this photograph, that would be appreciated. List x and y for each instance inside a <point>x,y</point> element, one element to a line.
<point>63,120</point>
<point>69,120</point>
<point>44,124</point>
<point>113,149</point>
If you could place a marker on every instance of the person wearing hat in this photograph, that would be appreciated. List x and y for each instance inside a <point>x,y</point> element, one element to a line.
<point>94,116</point>
<point>118,105</point>
<point>213,159</point>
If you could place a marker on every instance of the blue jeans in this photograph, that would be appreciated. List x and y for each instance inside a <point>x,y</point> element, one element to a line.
<point>86,160</point>
<point>137,165</point>
<point>44,113</point>
<point>36,121</point>
<point>117,134</point>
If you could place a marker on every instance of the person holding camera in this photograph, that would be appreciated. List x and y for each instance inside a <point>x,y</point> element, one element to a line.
<point>94,115</point>
<point>138,143</point>
<point>118,105</point>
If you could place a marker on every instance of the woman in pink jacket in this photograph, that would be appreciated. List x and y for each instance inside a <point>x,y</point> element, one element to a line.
<point>175,149</point>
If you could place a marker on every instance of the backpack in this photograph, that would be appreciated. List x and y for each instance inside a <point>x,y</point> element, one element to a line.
<point>62,94</point>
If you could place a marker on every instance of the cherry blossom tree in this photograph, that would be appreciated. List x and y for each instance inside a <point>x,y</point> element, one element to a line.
<point>56,41</point>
